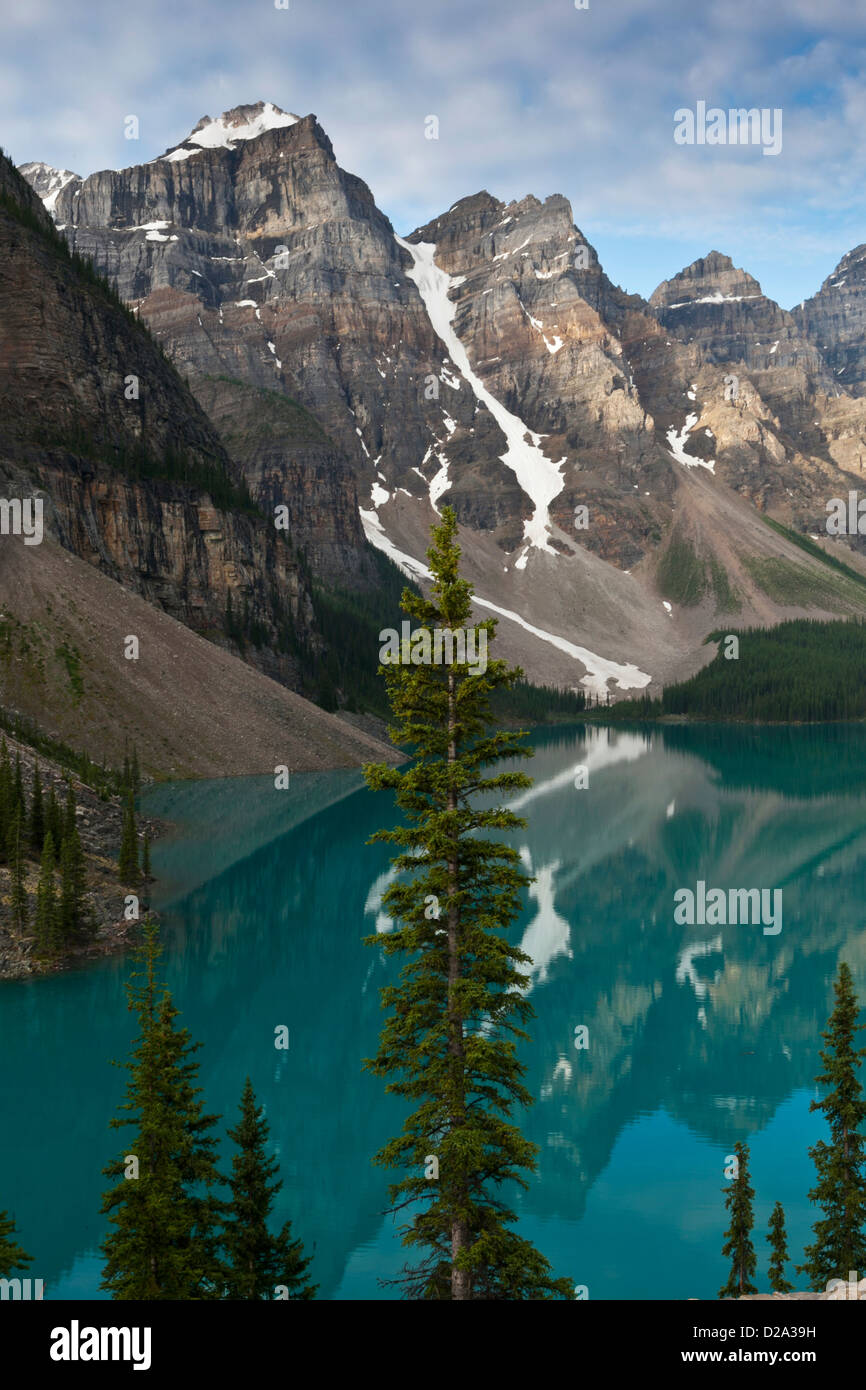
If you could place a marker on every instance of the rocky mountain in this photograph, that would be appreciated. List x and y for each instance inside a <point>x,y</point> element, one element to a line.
<point>610,459</point>
<point>132,477</point>
<point>835,320</point>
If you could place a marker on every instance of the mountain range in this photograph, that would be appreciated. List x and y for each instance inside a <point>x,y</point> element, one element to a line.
<point>628,474</point>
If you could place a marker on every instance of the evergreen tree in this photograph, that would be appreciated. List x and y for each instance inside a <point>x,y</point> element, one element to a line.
<point>738,1244</point>
<point>47,924</point>
<point>162,1245</point>
<point>779,1248</point>
<point>135,772</point>
<point>53,817</point>
<point>127,862</point>
<point>256,1261</point>
<point>69,818</point>
<point>36,824</point>
<point>840,1237</point>
<point>18,884</point>
<point>449,1042</point>
<point>73,913</point>
<point>5,796</point>
<point>18,803</point>
<point>11,1254</point>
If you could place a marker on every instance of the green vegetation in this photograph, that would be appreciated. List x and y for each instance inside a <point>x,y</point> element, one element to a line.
<point>727,598</point>
<point>162,1209</point>
<point>103,780</point>
<point>11,1254</point>
<point>738,1237</point>
<point>71,658</point>
<point>802,670</point>
<point>840,1236</point>
<point>449,1042</point>
<point>778,1243</point>
<point>817,553</point>
<point>172,1237</point>
<point>257,1262</point>
<point>682,575</point>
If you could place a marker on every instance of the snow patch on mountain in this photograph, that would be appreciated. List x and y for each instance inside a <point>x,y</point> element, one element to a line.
<point>599,671</point>
<point>225,131</point>
<point>47,181</point>
<point>676,444</point>
<point>538,476</point>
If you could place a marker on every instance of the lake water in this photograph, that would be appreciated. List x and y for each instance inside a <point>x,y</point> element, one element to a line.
<point>698,1035</point>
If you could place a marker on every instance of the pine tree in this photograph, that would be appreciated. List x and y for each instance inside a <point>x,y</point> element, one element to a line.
<point>5,797</point>
<point>11,1254</point>
<point>47,925</point>
<point>162,1245</point>
<point>18,885</point>
<point>146,875</point>
<point>36,824</point>
<point>135,772</point>
<point>738,1244</point>
<point>74,918</point>
<point>256,1261</point>
<point>779,1248</point>
<point>127,862</point>
<point>840,1238</point>
<point>53,817</point>
<point>18,802</point>
<point>449,1042</point>
<point>69,818</point>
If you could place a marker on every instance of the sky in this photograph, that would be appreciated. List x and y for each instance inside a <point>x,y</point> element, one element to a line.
<point>535,97</point>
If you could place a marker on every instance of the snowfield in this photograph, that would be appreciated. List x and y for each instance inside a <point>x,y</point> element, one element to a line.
<point>539,478</point>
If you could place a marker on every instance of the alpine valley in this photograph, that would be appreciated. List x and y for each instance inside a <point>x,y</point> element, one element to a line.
<point>628,475</point>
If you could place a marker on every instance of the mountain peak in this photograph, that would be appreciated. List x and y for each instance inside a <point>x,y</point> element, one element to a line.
<point>223,132</point>
<point>711,279</point>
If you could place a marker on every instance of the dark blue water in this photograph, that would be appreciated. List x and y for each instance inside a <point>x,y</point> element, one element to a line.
<point>699,1035</point>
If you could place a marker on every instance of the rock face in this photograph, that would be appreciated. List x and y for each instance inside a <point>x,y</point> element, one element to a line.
<point>586,438</point>
<point>835,320</point>
<point>113,467</point>
<point>723,311</point>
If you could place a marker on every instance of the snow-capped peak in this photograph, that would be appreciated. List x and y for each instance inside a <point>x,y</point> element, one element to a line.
<point>223,132</point>
<point>46,181</point>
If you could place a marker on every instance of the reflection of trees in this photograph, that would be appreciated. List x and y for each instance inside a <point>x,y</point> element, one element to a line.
<point>723,1047</point>
<point>274,936</point>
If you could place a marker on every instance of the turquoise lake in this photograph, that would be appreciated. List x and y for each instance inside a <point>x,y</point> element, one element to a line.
<point>698,1035</point>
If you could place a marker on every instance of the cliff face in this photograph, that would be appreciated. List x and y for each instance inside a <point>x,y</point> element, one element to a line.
<point>261,261</point>
<point>137,479</point>
<point>835,319</point>
<point>584,436</point>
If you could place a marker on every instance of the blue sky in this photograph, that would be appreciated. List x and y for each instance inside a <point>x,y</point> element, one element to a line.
<point>532,97</point>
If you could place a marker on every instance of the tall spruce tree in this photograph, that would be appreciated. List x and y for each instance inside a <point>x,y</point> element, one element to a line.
<point>738,1243</point>
<point>779,1251</point>
<point>75,919</point>
<point>19,805</point>
<point>449,1043</point>
<point>840,1237</point>
<point>127,861</point>
<point>47,923</point>
<point>163,1241</point>
<point>15,839</point>
<point>5,797</point>
<point>257,1263</point>
<point>12,1256</point>
<point>36,821</point>
<point>53,817</point>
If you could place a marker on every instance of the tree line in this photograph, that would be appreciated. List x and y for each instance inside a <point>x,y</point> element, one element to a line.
<point>40,829</point>
<point>801,671</point>
<point>839,1246</point>
<point>172,1236</point>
